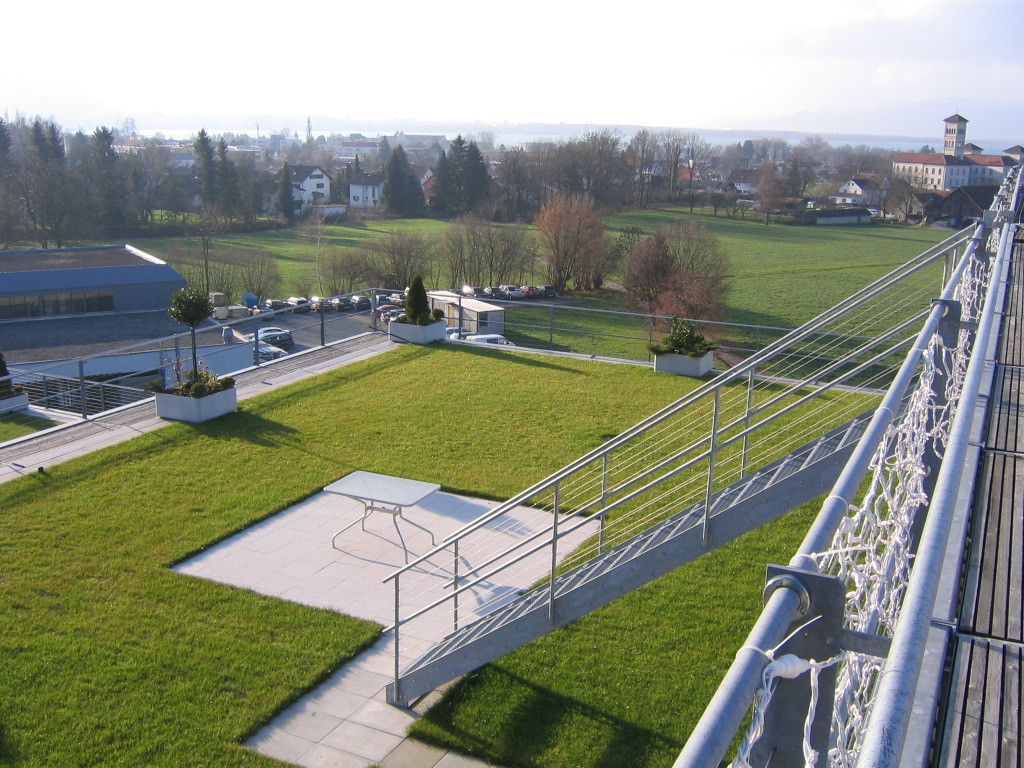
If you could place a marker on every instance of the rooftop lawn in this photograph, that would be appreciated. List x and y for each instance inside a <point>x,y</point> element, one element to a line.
<point>112,659</point>
<point>17,424</point>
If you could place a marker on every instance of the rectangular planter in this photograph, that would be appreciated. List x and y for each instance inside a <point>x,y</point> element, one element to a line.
<point>417,334</point>
<point>196,409</point>
<point>14,403</point>
<point>684,365</point>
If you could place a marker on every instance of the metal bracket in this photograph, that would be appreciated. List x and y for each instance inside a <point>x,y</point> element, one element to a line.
<point>816,634</point>
<point>862,642</point>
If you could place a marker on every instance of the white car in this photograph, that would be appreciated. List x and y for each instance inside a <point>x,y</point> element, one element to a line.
<point>270,352</point>
<point>489,338</point>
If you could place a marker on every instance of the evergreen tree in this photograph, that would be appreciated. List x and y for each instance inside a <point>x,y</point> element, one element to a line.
<point>417,305</point>
<point>108,184</point>
<point>285,200</point>
<point>402,191</point>
<point>229,192</point>
<point>207,169</point>
<point>442,194</point>
<point>477,183</point>
<point>461,184</point>
<point>384,153</point>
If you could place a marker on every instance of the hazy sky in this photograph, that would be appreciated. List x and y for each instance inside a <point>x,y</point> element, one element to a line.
<point>681,63</point>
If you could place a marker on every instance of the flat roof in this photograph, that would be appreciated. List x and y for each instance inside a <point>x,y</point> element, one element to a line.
<point>74,258</point>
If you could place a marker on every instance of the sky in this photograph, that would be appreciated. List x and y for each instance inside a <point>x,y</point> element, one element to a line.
<point>861,66</point>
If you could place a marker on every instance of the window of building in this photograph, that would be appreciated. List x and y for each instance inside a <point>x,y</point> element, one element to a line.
<point>53,304</point>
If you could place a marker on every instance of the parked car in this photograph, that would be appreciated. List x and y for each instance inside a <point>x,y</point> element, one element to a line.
<point>394,314</point>
<point>547,291</point>
<point>316,302</point>
<point>472,291</point>
<point>298,304</point>
<point>397,298</point>
<point>383,309</point>
<point>531,291</point>
<point>361,302</point>
<point>269,352</point>
<point>274,304</point>
<point>261,311</point>
<point>513,292</point>
<point>277,337</point>
<point>342,303</point>
<point>495,293</point>
<point>489,338</point>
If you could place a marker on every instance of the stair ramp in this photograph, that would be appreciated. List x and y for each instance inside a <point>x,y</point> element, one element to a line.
<point>739,451</point>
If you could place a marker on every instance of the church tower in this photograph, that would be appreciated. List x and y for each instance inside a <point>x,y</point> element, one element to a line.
<point>956,136</point>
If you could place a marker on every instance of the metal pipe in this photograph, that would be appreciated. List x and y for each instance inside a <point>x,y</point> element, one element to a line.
<point>887,728</point>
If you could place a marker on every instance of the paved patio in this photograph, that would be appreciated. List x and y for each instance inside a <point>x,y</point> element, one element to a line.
<point>346,721</point>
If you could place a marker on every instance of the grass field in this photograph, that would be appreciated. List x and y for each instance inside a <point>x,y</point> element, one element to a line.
<point>111,659</point>
<point>781,275</point>
<point>14,425</point>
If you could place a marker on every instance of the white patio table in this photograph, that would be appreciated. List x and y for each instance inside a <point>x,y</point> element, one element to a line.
<point>383,493</point>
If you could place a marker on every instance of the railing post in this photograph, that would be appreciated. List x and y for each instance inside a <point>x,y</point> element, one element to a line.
<point>746,422</point>
<point>706,533</point>
<point>176,368</point>
<point>455,584</point>
<point>81,389</point>
<point>323,328</point>
<point>554,555</point>
<point>949,332</point>
<point>46,392</point>
<point>396,697</point>
<point>551,324</point>
<point>604,502</point>
<point>816,635</point>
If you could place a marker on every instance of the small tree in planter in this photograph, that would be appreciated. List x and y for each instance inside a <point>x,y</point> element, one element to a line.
<point>185,400</point>
<point>418,325</point>
<point>191,306</point>
<point>683,350</point>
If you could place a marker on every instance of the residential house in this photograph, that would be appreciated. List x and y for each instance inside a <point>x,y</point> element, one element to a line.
<point>743,181</point>
<point>964,204</point>
<point>310,184</point>
<point>866,189</point>
<point>364,191</point>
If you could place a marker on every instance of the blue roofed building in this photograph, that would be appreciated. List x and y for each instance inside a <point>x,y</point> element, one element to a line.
<point>76,281</point>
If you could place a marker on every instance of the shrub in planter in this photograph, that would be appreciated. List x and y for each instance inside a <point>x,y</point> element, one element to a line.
<point>682,339</point>
<point>198,383</point>
<point>417,306</point>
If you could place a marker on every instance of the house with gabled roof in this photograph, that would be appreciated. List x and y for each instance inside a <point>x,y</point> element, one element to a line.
<point>743,181</point>
<point>365,190</point>
<point>863,189</point>
<point>310,184</point>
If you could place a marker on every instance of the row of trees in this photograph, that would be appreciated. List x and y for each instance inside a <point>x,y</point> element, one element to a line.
<point>56,189</point>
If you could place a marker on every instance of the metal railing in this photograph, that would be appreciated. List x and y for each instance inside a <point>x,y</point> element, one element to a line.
<point>796,388</point>
<point>791,596</point>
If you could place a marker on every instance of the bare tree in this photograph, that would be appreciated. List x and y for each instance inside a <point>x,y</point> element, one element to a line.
<point>672,143</point>
<point>402,255</point>
<point>681,270</point>
<point>570,231</point>
<point>769,190</point>
<point>343,269</point>
<point>258,274</point>
<point>642,154</point>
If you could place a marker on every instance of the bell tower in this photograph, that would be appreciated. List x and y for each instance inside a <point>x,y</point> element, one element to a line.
<point>955,137</point>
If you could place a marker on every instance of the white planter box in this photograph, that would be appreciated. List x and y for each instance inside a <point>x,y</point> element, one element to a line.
<point>684,365</point>
<point>14,403</point>
<point>196,409</point>
<point>417,334</point>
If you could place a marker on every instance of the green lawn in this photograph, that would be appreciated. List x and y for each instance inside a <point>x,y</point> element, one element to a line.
<point>111,659</point>
<point>14,425</point>
<point>782,275</point>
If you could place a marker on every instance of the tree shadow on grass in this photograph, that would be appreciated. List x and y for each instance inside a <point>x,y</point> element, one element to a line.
<point>528,360</point>
<point>532,728</point>
<point>250,427</point>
